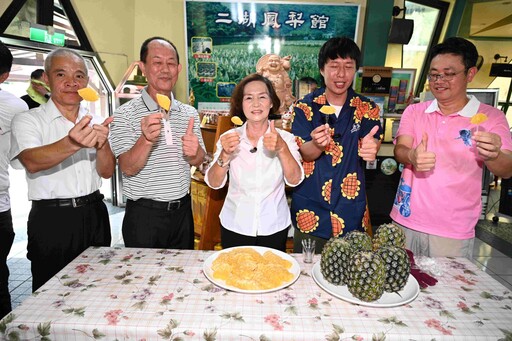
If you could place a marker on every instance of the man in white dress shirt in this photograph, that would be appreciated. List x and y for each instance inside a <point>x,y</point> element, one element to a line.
<point>9,106</point>
<point>65,156</point>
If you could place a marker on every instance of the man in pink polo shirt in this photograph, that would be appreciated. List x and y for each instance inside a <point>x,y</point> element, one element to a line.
<point>438,201</point>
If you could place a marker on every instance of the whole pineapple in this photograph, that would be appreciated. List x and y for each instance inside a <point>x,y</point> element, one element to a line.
<point>397,266</point>
<point>367,275</point>
<point>388,235</point>
<point>334,260</point>
<point>360,241</point>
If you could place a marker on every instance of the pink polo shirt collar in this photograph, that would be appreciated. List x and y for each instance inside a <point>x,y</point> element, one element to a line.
<point>469,110</point>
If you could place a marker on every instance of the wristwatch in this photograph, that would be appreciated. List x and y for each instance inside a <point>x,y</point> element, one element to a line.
<point>221,163</point>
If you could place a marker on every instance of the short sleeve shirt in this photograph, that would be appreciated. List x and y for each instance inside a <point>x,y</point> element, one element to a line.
<point>166,174</point>
<point>331,200</point>
<point>74,177</point>
<point>10,105</point>
<point>446,201</point>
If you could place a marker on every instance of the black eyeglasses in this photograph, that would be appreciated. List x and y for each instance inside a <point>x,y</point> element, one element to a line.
<point>433,77</point>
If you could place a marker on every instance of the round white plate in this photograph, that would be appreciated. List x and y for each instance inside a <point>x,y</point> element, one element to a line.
<point>208,272</point>
<point>404,296</point>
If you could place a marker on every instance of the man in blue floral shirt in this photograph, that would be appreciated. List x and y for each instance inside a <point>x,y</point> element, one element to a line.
<point>337,130</point>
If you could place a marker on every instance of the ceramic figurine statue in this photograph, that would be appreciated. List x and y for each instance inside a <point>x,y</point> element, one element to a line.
<point>276,69</point>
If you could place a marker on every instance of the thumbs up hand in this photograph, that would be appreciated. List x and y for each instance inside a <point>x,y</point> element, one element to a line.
<point>421,158</point>
<point>190,140</point>
<point>272,141</point>
<point>369,146</point>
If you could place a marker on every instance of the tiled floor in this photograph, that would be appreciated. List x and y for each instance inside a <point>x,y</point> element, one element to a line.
<point>20,279</point>
<point>486,257</point>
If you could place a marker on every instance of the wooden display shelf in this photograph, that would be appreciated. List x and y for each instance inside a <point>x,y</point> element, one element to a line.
<point>206,205</point>
<point>206,202</point>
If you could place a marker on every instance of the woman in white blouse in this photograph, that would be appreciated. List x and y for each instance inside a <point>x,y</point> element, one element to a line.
<point>260,160</point>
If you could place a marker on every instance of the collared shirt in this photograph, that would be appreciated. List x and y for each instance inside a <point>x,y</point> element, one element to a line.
<point>331,200</point>
<point>10,105</point>
<point>446,201</point>
<point>74,177</point>
<point>166,174</point>
<point>256,202</point>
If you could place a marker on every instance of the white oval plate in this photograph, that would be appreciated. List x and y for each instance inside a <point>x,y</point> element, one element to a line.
<point>404,296</point>
<point>208,272</point>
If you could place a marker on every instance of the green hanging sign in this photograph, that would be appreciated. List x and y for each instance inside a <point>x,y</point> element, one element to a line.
<point>43,36</point>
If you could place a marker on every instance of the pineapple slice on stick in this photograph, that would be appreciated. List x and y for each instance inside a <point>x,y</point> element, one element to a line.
<point>478,119</point>
<point>165,103</point>
<point>236,121</point>
<point>165,106</point>
<point>327,110</point>
<point>90,95</point>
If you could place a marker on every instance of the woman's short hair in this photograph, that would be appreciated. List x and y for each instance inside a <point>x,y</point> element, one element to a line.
<point>237,96</point>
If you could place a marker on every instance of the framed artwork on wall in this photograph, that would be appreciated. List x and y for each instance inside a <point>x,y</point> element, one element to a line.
<point>401,90</point>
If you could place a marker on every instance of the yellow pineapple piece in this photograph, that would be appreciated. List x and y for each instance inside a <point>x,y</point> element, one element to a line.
<point>89,94</point>
<point>163,101</point>
<point>327,109</point>
<point>479,118</point>
<point>236,121</point>
<point>272,258</point>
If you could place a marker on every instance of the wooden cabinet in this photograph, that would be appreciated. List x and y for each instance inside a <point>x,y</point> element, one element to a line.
<point>207,202</point>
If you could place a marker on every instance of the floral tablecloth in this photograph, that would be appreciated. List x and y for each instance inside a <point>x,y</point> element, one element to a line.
<point>150,294</point>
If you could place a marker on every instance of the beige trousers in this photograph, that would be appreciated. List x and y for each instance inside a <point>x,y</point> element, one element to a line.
<point>424,244</point>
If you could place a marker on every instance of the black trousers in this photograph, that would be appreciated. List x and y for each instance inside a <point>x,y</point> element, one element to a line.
<point>57,235</point>
<point>6,240</point>
<point>155,227</point>
<point>275,241</point>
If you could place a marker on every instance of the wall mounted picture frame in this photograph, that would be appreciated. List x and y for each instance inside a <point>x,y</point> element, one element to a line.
<point>401,89</point>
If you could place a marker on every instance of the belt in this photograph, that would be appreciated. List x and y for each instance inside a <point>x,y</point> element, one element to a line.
<point>163,205</point>
<point>72,202</point>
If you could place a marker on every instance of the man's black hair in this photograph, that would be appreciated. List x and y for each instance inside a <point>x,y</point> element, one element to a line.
<point>5,59</point>
<point>37,74</point>
<point>144,48</point>
<point>459,47</point>
<point>339,47</point>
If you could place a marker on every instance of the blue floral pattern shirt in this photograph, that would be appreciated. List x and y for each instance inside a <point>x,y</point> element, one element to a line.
<point>331,200</point>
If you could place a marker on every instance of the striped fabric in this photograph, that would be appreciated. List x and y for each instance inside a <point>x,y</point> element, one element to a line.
<point>166,175</point>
